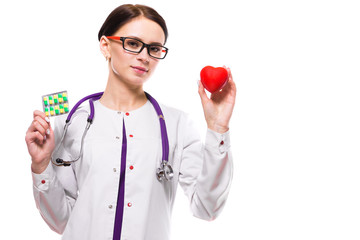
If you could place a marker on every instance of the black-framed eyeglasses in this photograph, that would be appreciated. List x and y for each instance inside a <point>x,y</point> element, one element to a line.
<point>136,46</point>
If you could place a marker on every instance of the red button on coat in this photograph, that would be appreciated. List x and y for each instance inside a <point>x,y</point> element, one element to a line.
<point>127,114</point>
<point>131,135</point>
<point>131,167</point>
<point>129,204</point>
<point>222,142</point>
<point>43,181</point>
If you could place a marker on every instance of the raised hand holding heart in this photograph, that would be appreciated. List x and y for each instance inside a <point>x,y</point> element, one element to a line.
<point>219,107</point>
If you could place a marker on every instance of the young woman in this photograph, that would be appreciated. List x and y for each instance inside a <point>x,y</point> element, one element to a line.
<point>113,191</point>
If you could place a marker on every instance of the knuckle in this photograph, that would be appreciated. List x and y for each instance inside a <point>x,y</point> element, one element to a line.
<point>39,136</point>
<point>38,118</point>
<point>35,123</point>
<point>27,138</point>
<point>38,113</point>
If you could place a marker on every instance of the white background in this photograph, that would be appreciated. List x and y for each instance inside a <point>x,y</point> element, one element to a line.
<point>295,128</point>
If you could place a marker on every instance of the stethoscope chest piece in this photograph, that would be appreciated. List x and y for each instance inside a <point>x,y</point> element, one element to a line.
<point>165,171</point>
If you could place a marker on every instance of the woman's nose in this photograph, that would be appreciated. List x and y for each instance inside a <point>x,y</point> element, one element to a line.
<point>143,55</point>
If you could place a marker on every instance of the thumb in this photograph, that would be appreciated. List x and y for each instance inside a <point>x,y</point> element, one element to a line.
<point>201,90</point>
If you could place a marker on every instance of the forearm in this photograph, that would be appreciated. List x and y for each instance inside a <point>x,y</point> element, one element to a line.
<point>53,202</point>
<point>213,184</point>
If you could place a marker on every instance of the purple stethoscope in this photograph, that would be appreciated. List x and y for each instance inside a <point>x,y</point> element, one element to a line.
<point>165,171</point>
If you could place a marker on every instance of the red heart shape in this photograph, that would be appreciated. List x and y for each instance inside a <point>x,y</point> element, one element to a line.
<point>213,79</point>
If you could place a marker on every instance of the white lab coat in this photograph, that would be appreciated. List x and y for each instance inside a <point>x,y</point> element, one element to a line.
<point>80,201</point>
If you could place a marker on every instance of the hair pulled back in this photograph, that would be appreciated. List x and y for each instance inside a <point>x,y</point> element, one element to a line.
<point>124,13</point>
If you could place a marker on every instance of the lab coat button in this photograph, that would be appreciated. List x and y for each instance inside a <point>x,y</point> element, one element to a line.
<point>129,204</point>
<point>222,143</point>
<point>43,181</point>
<point>131,135</point>
<point>131,167</point>
<point>117,137</point>
<point>110,206</point>
<point>114,169</point>
<point>127,114</point>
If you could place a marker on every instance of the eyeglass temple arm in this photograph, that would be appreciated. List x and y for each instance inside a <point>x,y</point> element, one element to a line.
<point>113,37</point>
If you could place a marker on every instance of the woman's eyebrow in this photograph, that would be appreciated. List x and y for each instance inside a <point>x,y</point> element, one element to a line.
<point>152,43</point>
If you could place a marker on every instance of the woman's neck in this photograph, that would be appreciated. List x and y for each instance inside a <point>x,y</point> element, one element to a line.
<point>121,97</point>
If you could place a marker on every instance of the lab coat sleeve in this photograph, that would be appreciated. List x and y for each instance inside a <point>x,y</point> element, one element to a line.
<point>206,171</point>
<point>55,191</point>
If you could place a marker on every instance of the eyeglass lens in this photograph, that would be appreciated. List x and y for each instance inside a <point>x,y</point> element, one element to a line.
<point>134,45</point>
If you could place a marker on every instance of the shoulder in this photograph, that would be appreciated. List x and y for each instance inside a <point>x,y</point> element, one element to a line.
<point>178,121</point>
<point>172,114</point>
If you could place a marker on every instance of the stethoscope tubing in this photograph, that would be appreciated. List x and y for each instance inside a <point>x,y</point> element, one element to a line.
<point>165,141</point>
<point>95,96</point>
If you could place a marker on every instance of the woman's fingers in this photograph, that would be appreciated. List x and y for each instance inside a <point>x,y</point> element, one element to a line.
<point>40,141</point>
<point>43,124</point>
<point>39,129</point>
<point>39,113</point>
<point>40,123</point>
<point>34,137</point>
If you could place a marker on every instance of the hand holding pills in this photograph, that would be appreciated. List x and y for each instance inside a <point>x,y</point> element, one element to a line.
<point>40,138</point>
<point>40,141</point>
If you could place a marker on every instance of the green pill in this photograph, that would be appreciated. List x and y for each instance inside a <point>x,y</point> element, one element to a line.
<point>51,100</point>
<point>47,112</point>
<point>46,101</point>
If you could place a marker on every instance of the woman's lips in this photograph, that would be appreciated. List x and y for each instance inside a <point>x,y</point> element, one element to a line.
<point>139,69</point>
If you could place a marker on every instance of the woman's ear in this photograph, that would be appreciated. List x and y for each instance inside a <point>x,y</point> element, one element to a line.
<point>104,47</point>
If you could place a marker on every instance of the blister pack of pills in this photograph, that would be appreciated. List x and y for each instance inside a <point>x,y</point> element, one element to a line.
<point>55,104</point>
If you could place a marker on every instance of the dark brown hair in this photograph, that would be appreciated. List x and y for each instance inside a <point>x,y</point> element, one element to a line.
<point>124,13</point>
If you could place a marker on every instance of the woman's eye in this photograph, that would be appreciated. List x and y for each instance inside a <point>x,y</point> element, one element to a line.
<point>155,49</point>
<point>133,44</point>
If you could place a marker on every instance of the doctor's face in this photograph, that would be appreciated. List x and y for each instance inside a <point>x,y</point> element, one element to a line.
<point>134,68</point>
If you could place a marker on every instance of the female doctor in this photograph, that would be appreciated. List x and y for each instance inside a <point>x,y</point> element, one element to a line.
<point>112,190</point>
